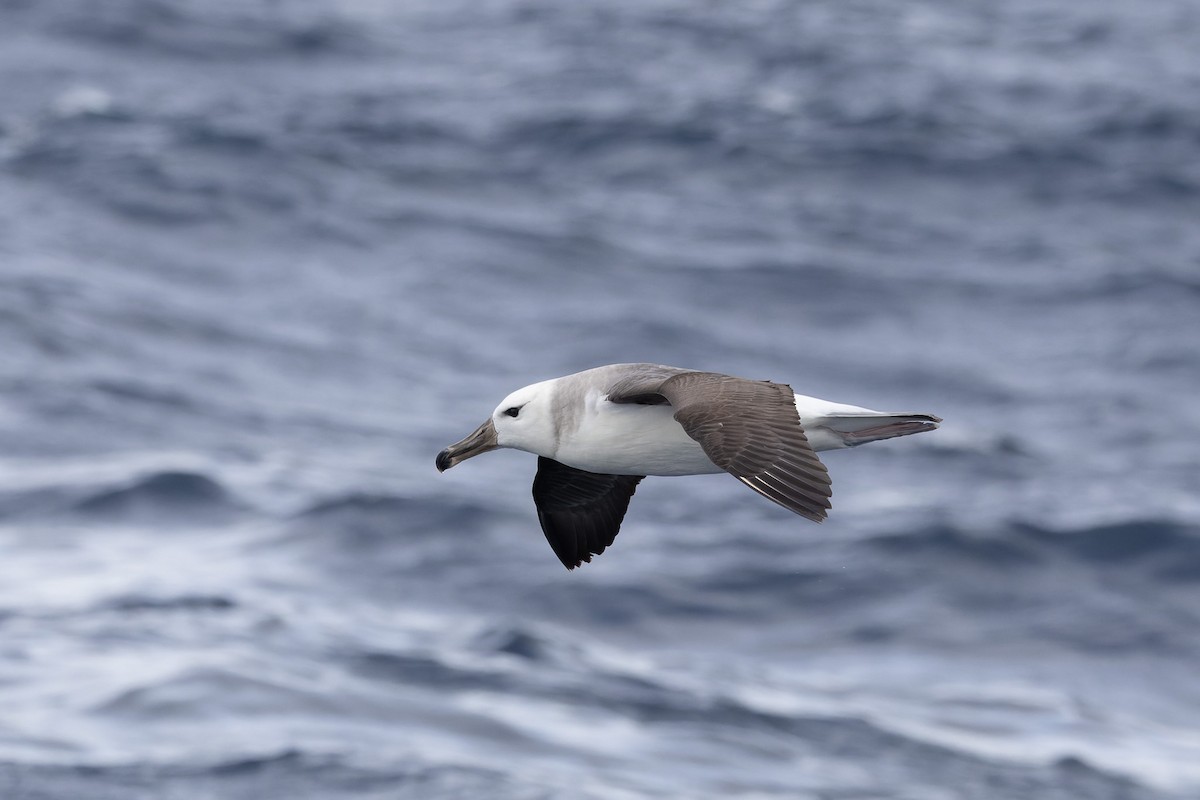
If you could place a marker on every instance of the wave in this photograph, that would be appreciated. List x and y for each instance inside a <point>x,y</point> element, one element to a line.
<point>204,692</point>
<point>950,543</point>
<point>233,32</point>
<point>290,772</point>
<point>1024,544</point>
<point>367,510</point>
<point>166,493</point>
<point>187,602</point>
<point>425,670</point>
<point>1120,542</point>
<point>583,684</point>
<point>1115,588</point>
<point>519,641</point>
<point>175,399</point>
<point>384,539</point>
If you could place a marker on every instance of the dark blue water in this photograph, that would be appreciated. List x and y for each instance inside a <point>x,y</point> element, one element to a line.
<point>260,261</point>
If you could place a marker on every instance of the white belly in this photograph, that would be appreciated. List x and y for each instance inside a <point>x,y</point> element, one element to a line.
<point>631,439</point>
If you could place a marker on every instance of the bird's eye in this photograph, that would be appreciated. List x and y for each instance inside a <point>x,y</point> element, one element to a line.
<point>512,412</point>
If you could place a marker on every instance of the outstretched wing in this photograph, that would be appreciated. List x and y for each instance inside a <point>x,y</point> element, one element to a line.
<point>580,511</point>
<point>748,428</point>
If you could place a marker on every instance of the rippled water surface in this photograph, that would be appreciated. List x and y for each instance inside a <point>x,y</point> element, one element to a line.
<point>259,262</point>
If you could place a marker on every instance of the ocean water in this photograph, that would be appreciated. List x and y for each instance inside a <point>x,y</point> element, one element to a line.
<point>260,261</point>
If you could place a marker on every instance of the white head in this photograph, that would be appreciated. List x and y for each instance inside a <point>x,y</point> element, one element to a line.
<point>524,421</point>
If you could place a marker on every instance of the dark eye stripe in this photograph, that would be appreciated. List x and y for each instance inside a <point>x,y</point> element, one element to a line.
<point>512,412</point>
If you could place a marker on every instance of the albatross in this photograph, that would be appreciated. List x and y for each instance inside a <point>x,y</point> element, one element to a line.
<point>599,432</point>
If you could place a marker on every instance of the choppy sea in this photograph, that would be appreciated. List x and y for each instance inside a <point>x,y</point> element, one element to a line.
<point>260,261</point>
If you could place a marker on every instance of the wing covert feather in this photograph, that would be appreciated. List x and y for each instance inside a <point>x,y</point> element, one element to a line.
<point>748,428</point>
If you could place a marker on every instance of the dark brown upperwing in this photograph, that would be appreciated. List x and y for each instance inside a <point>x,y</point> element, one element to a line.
<point>751,430</point>
<point>580,511</point>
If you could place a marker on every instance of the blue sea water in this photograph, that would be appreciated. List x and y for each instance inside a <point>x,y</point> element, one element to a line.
<point>260,261</point>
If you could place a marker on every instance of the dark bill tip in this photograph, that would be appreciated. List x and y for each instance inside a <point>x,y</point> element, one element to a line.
<point>481,440</point>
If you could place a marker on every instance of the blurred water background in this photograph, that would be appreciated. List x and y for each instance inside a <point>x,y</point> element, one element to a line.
<point>260,261</point>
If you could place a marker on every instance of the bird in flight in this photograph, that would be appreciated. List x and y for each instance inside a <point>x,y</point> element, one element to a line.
<point>599,432</point>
